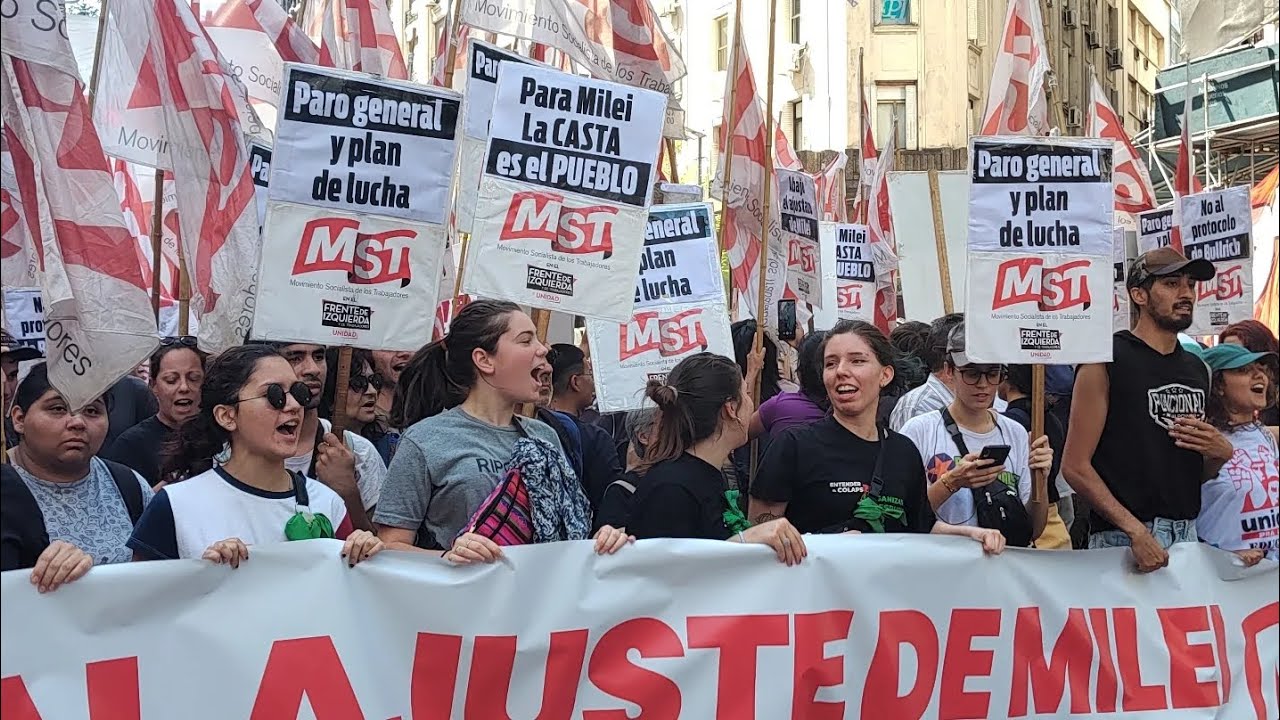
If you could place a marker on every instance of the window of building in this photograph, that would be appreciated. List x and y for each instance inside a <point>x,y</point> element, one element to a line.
<point>797,124</point>
<point>1175,38</point>
<point>795,21</point>
<point>722,42</point>
<point>895,12</point>
<point>896,107</point>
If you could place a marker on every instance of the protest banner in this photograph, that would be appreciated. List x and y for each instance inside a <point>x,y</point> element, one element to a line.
<point>354,235</point>
<point>1155,229</point>
<point>1040,244</point>
<point>798,207</point>
<point>1217,226</point>
<point>855,274</point>
<point>1120,292</point>
<point>664,628</point>
<point>24,316</point>
<point>621,41</point>
<point>913,223</point>
<point>679,308</point>
<point>483,61</point>
<point>260,168</point>
<point>564,197</point>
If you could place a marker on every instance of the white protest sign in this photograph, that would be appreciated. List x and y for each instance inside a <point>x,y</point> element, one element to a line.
<point>679,263</point>
<point>24,316</point>
<point>563,201</point>
<point>1040,242</point>
<point>798,206</point>
<point>914,232</point>
<point>1155,229</point>
<point>855,271</point>
<point>349,141</point>
<point>260,167</point>
<point>1119,290</point>
<point>1217,226</point>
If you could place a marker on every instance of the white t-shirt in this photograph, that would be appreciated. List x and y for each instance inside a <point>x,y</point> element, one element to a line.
<point>940,453</point>
<point>371,472</point>
<point>185,518</point>
<point>1238,508</point>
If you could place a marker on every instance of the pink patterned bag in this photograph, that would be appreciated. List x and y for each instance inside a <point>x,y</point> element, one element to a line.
<point>506,516</point>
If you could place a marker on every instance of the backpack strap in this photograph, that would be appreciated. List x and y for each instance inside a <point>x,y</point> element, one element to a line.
<point>877,475</point>
<point>300,496</point>
<point>949,423</point>
<point>127,485</point>
<point>625,485</point>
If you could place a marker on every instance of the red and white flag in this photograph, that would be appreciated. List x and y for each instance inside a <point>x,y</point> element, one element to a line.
<point>97,309</point>
<point>21,257</point>
<point>213,182</point>
<point>884,247</point>
<point>830,184</point>
<point>1016,103</point>
<point>1134,193</point>
<point>868,156</point>
<point>137,219</point>
<point>358,35</point>
<point>452,39</point>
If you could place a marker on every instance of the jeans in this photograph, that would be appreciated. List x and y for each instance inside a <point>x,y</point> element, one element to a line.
<point>1166,532</point>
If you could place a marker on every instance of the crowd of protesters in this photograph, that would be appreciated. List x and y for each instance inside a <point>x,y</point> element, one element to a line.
<point>488,438</point>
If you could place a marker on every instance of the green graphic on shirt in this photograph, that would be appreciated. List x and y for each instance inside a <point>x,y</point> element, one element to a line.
<point>308,526</point>
<point>1010,479</point>
<point>875,510</point>
<point>734,518</point>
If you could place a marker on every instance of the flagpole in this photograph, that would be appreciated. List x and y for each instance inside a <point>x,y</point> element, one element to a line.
<point>763,260</point>
<point>184,295</point>
<point>863,107</point>
<point>95,73</point>
<point>729,127</point>
<point>671,158</point>
<point>451,45</point>
<point>157,220</point>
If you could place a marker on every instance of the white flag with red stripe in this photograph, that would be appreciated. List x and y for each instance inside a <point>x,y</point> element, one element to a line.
<point>1016,103</point>
<point>831,194</point>
<point>137,219</point>
<point>868,156</point>
<point>358,35</point>
<point>1134,193</point>
<point>21,259</point>
<point>452,39</point>
<point>97,311</point>
<point>884,246</point>
<point>217,214</point>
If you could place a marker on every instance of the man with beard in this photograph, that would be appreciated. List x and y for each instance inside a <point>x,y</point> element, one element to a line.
<point>1138,447</point>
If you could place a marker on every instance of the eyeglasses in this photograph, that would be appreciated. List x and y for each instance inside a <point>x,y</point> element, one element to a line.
<point>994,374</point>
<point>360,383</point>
<point>275,395</point>
<point>181,340</point>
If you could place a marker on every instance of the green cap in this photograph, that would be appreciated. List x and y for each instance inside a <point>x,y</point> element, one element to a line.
<point>1228,356</point>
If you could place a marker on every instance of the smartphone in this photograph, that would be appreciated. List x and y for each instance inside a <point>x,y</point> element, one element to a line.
<point>787,319</point>
<point>998,453</point>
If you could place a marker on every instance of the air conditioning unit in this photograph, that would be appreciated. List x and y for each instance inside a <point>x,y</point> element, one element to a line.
<point>1092,39</point>
<point>799,53</point>
<point>1114,60</point>
<point>1073,116</point>
<point>1069,19</point>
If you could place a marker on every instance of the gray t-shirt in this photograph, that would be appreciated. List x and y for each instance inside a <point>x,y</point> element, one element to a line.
<point>88,513</point>
<point>445,467</point>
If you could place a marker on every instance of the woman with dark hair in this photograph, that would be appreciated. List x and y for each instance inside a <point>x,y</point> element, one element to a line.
<point>363,388</point>
<point>1238,506</point>
<point>176,373</point>
<point>744,338</point>
<point>704,410</point>
<point>804,407</point>
<point>456,401</point>
<point>911,370</point>
<point>847,472</point>
<point>1257,337</point>
<point>251,402</point>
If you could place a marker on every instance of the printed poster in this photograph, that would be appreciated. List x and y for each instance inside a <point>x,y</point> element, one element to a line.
<point>1040,250</point>
<point>1218,226</point>
<point>260,168</point>
<point>1120,292</point>
<point>564,197</point>
<point>1155,229</point>
<point>24,316</point>
<point>679,308</point>
<point>855,271</point>
<point>798,206</point>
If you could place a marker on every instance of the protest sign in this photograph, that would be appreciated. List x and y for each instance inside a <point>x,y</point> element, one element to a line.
<point>798,206</point>
<point>260,168</point>
<point>664,628</point>
<point>24,316</point>
<point>855,270</point>
<point>1120,293</point>
<point>564,197</point>
<point>1155,229</point>
<point>1040,244</point>
<point>679,308</point>
<point>1217,226</point>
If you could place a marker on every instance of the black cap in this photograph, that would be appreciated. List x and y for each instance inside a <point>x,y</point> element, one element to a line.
<point>19,353</point>
<point>1167,261</point>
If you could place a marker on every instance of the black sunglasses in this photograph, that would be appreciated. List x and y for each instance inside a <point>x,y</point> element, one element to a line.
<point>360,383</point>
<point>275,395</point>
<point>181,340</point>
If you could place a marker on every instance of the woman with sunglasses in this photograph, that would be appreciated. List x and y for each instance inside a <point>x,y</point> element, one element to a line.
<point>363,388</point>
<point>176,371</point>
<point>251,402</point>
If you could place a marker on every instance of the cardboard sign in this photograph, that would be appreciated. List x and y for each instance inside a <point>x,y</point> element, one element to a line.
<point>1155,229</point>
<point>679,263</point>
<point>855,270</point>
<point>1040,250</point>
<point>1217,226</point>
<point>563,203</point>
<point>24,316</point>
<point>260,166</point>
<point>798,203</point>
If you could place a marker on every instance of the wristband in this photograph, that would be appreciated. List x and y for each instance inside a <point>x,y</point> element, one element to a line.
<point>742,538</point>
<point>946,483</point>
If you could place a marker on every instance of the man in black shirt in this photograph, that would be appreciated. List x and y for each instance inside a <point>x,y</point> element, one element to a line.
<point>1138,447</point>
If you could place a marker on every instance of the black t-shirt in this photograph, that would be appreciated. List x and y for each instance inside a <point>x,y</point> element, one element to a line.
<point>129,402</point>
<point>680,498</point>
<point>1150,475</point>
<point>823,471</point>
<point>141,446</point>
<point>22,532</point>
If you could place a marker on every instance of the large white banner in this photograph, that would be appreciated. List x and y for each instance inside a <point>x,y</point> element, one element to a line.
<point>915,233</point>
<point>1040,250</point>
<point>563,202</point>
<point>855,271</point>
<point>1217,226</point>
<point>1155,229</point>
<point>684,629</point>
<point>679,308</point>
<point>798,203</point>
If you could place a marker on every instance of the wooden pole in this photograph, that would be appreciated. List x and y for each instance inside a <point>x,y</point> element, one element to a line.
<point>730,121</point>
<point>465,240</point>
<point>157,232</point>
<point>342,385</point>
<point>671,158</point>
<point>95,74</point>
<point>863,108</point>
<point>541,324</point>
<point>763,266</point>
<point>451,47</point>
<point>940,243</point>
<point>184,295</point>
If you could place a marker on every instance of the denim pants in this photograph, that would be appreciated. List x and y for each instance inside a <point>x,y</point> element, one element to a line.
<point>1166,532</point>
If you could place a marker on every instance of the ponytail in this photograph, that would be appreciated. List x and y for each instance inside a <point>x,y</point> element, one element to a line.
<point>689,404</point>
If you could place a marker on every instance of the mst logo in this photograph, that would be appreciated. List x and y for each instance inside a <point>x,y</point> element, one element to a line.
<point>800,255</point>
<point>675,335</point>
<point>849,297</point>
<point>1170,402</point>
<point>368,258</point>
<point>1226,285</point>
<point>1026,280</point>
<point>541,215</point>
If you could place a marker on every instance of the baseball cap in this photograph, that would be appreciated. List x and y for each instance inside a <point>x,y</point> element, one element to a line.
<point>20,353</point>
<point>1226,356</point>
<point>955,346</point>
<point>1166,261</point>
